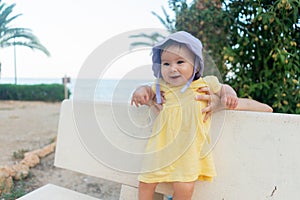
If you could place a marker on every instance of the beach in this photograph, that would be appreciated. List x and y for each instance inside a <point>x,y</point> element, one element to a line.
<point>27,126</point>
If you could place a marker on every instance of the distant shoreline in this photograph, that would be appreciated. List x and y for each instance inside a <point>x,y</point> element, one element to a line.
<point>107,90</point>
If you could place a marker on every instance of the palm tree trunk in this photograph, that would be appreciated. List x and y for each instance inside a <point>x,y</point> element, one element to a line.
<point>15,63</point>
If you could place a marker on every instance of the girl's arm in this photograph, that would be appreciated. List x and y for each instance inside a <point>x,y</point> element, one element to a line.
<point>252,105</point>
<point>214,103</point>
<point>228,98</point>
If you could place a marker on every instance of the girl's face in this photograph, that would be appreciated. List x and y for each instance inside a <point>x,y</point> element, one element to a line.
<point>177,65</point>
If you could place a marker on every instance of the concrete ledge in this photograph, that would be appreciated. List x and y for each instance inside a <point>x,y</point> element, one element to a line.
<point>255,154</point>
<point>53,192</point>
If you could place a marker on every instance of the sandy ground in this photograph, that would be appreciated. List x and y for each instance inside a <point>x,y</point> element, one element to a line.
<point>32,125</point>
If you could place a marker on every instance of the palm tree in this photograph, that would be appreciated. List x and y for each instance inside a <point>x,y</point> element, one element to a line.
<point>154,37</point>
<point>10,36</point>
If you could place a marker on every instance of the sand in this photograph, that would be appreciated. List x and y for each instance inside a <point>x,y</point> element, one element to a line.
<point>26,126</point>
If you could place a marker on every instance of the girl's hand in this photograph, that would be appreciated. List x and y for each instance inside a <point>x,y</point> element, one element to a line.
<point>141,96</point>
<point>144,95</point>
<point>157,106</point>
<point>228,97</point>
<point>230,101</point>
<point>213,102</point>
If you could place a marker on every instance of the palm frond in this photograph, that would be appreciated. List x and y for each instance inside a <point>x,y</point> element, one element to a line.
<point>147,44</point>
<point>10,36</point>
<point>151,39</point>
<point>167,23</point>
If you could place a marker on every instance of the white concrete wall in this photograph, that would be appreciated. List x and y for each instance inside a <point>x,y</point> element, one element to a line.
<point>256,154</point>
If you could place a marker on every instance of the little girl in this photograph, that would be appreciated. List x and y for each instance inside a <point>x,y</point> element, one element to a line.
<point>179,131</point>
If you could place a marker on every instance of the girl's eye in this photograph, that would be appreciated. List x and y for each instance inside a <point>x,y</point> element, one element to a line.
<point>166,64</point>
<point>180,62</point>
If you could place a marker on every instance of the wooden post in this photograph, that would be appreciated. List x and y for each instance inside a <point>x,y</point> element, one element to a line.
<point>65,81</point>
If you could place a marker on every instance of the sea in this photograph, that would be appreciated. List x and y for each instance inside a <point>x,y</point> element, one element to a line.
<point>104,90</point>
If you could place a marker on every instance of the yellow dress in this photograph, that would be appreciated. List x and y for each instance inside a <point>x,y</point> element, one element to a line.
<point>173,152</point>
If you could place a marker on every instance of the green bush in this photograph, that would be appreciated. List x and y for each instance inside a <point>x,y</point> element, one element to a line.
<point>255,44</point>
<point>40,92</point>
<point>263,52</point>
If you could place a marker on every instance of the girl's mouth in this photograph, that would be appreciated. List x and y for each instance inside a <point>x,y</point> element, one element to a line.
<point>175,77</point>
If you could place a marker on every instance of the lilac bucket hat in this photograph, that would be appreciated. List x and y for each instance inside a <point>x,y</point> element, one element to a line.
<point>192,43</point>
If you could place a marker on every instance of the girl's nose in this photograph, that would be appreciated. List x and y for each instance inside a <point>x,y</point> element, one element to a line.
<point>173,67</point>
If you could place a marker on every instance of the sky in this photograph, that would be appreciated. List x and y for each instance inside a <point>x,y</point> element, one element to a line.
<point>71,30</point>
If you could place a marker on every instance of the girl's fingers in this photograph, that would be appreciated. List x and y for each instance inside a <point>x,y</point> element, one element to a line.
<point>231,103</point>
<point>145,99</point>
<point>136,104</point>
<point>206,116</point>
<point>133,102</point>
<point>207,109</point>
<point>158,106</point>
<point>139,100</point>
<point>203,97</point>
<point>205,90</point>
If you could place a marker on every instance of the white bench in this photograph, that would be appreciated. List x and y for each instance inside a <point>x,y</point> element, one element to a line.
<point>255,156</point>
<point>55,192</point>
